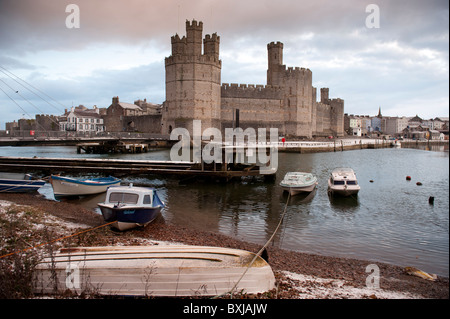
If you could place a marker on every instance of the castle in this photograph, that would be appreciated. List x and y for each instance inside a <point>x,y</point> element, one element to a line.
<point>288,102</point>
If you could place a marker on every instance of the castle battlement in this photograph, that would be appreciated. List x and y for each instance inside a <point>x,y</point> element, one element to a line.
<point>203,59</point>
<point>212,37</point>
<point>194,25</point>
<point>275,44</point>
<point>258,87</point>
<point>234,90</point>
<point>295,71</point>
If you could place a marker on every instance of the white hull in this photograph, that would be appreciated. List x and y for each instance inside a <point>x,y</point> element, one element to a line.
<point>343,190</point>
<point>298,182</point>
<point>154,271</point>
<point>297,190</point>
<point>67,188</point>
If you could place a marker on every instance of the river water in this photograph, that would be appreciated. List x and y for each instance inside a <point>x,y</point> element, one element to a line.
<point>389,221</point>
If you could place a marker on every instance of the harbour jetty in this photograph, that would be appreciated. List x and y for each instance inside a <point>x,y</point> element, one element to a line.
<point>118,167</point>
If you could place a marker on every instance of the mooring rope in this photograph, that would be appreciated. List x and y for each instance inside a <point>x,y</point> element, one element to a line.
<point>258,254</point>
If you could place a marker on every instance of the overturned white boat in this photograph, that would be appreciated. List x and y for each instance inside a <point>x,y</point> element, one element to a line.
<point>298,182</point>
<point>160,270</point>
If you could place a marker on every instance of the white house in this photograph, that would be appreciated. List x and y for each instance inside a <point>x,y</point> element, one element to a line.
<point>82,119</point>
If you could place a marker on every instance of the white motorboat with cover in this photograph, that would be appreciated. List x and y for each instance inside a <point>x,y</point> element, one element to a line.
<point>343,182</point>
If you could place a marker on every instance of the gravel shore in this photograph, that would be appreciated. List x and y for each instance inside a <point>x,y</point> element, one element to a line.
<point>299,275</point>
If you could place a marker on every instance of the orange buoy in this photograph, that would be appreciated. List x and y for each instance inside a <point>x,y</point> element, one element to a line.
<point>418,183</point>
<point>408,178</point>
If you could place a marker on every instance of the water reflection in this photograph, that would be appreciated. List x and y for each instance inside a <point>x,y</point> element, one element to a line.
<point>390,220</point>
<point>300,198</point>
<point>349,204</point>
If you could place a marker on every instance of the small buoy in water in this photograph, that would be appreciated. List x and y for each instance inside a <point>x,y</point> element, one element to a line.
<point>371,181</point>
<point>408,178</point>
<point>431,200</point>
<point>418,183</point>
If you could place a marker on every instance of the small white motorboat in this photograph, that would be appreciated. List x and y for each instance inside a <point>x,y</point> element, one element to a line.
<point>298,182</point>
<point>343,182</point>
<point>159,270</point>
<point>130,206</point>
<point>67,186</point>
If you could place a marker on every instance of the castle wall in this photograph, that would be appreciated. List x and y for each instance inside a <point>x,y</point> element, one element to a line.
<point>329,117</point>
<point>259,106</point>
<point>144,123</point>
<point>288,101</point>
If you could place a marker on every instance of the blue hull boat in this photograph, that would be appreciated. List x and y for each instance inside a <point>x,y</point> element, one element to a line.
<point>20,185</point>
<point>130,207</point>
<point>67,186</point>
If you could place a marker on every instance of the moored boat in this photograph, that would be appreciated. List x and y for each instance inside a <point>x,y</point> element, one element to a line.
<point>158,270</point>
<point>25,185</point>
<point>343,182</point>
<point>130,206</point>
<point>298,182</point>
<point>68,186</point>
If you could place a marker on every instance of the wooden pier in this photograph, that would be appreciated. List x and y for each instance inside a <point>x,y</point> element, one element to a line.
<point>118,167</point>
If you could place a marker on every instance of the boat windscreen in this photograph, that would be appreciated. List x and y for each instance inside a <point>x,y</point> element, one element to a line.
<point>126,198</point>
<point>339,182</point>
<point>351,182</point>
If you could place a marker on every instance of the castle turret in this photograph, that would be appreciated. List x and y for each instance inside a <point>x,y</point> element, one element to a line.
<point>324,95</point>
<point>178,45</point>
<point>194,37</point>
<point>192,80</point>
<point>275,59</point>
<point>211,45</point>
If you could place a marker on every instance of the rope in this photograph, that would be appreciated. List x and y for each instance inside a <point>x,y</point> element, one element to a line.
<point>55,240</point>
<point>258,254</point>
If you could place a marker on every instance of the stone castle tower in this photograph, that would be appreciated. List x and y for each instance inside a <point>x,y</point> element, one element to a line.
<point>296,84</point>
<point>288,101</point>
<point>193,80</point>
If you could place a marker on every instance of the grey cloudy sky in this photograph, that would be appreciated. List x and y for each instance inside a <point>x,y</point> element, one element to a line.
<point>119,50</point>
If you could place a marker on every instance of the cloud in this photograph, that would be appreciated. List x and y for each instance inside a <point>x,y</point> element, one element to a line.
<point>120,46</point>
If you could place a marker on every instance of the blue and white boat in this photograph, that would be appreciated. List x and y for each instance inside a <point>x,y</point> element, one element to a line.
<point>25,185</point>
<point>130,206</point>
<point>67,186</point>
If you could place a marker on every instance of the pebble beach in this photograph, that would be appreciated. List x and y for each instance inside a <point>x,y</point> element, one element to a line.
<point>298,275</point>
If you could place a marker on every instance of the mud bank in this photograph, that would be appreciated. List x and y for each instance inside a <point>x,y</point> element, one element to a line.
<point>299,275</point>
